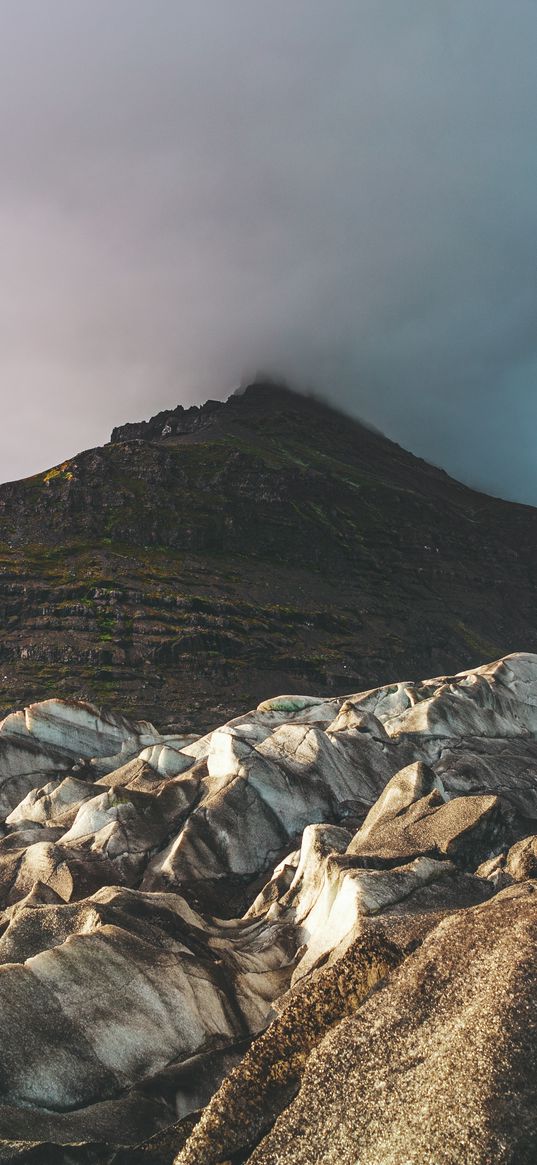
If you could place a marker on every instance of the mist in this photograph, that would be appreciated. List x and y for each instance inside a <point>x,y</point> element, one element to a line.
<point>343,195</point>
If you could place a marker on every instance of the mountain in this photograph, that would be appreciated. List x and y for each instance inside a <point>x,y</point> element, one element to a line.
<point>266,543</point>
<point>309,932</point>
<point>307,936</point>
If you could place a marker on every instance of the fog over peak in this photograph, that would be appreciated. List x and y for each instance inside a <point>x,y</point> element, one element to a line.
<point>345,195</point>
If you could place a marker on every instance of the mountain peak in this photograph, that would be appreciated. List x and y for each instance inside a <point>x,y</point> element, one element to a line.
<point>262,542</point>
<point>262,395</point>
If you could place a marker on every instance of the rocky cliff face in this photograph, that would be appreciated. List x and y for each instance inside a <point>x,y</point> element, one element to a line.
<point>264,543</point>
<point>307,935</point>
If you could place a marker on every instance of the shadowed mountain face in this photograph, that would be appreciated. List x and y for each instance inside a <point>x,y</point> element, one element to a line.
<point>214,554</point>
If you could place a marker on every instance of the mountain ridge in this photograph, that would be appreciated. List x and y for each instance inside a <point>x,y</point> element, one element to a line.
<point>267,542</point>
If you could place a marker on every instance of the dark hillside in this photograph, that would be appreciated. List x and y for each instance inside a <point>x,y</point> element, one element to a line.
<point>214,555</point>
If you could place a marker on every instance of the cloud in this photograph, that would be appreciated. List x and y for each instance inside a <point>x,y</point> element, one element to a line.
<point>344,193</point>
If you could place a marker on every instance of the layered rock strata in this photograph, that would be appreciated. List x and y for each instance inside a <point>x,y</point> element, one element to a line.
<point>205,558</point>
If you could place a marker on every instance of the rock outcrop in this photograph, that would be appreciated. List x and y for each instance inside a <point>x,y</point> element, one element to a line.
<point>440,1066</point>
<point>308,935</point>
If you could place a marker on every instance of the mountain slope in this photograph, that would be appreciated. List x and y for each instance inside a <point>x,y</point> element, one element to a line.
<point>261,544</point>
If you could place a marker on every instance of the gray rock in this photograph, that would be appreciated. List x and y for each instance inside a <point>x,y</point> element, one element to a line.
<point>521,861</point>
<point>468,830</point>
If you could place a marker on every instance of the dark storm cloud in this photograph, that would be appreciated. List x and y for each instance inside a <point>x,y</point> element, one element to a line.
<point>344,193</point>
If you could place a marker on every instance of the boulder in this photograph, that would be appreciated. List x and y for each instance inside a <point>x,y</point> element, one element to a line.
<point>521,860</point>
<point>467,830</point>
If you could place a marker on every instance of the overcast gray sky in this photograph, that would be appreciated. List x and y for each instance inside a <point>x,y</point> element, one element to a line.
<point>343,192</point>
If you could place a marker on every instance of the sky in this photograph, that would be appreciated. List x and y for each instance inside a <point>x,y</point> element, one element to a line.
<point>343,194</point>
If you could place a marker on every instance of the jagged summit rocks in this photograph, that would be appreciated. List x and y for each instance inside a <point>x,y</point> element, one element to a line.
<point>264,543</point>
<point>257,398</point>
<point>297,931</point>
